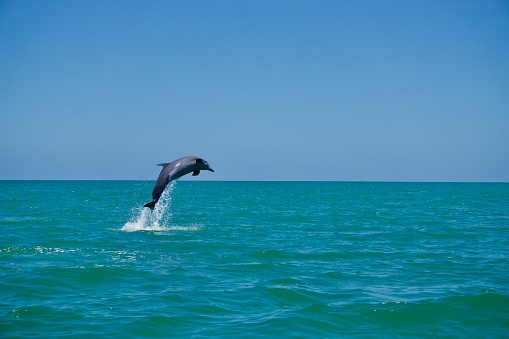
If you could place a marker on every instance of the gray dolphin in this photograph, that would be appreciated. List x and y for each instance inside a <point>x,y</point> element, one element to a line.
<point>174,170</point>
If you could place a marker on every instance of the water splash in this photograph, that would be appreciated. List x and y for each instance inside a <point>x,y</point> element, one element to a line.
<point>145,219</point>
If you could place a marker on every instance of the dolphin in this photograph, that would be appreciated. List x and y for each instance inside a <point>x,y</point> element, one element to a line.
<point>174,170</point>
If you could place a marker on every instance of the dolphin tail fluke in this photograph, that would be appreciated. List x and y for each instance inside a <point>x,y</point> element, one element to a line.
<point>150,205</point>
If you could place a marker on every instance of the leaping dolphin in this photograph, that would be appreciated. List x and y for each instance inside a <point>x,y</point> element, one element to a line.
<point>175,170</point>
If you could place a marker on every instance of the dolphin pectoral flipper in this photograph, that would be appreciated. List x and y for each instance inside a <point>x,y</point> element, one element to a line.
<point>195,173</point>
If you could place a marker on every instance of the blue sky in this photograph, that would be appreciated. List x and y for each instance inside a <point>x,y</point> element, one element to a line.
<point>264,90</point>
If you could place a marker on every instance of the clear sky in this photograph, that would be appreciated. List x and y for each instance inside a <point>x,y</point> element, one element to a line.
<point>264,90</point>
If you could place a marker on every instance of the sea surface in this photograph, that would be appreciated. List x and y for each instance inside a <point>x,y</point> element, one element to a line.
<point>83,259</point>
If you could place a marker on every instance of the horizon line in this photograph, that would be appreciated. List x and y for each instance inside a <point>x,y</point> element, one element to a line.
<point>254,180</point>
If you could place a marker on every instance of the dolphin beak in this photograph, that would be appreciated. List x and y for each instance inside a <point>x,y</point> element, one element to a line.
<point>210,169</point>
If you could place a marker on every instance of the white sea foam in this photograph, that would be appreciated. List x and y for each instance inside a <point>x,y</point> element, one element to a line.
<point>145,219</point>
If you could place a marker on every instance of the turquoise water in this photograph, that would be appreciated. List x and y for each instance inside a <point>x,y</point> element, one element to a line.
<point>82,259</point>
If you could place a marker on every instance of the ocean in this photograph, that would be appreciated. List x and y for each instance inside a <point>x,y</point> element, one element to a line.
<point>83,259</point>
